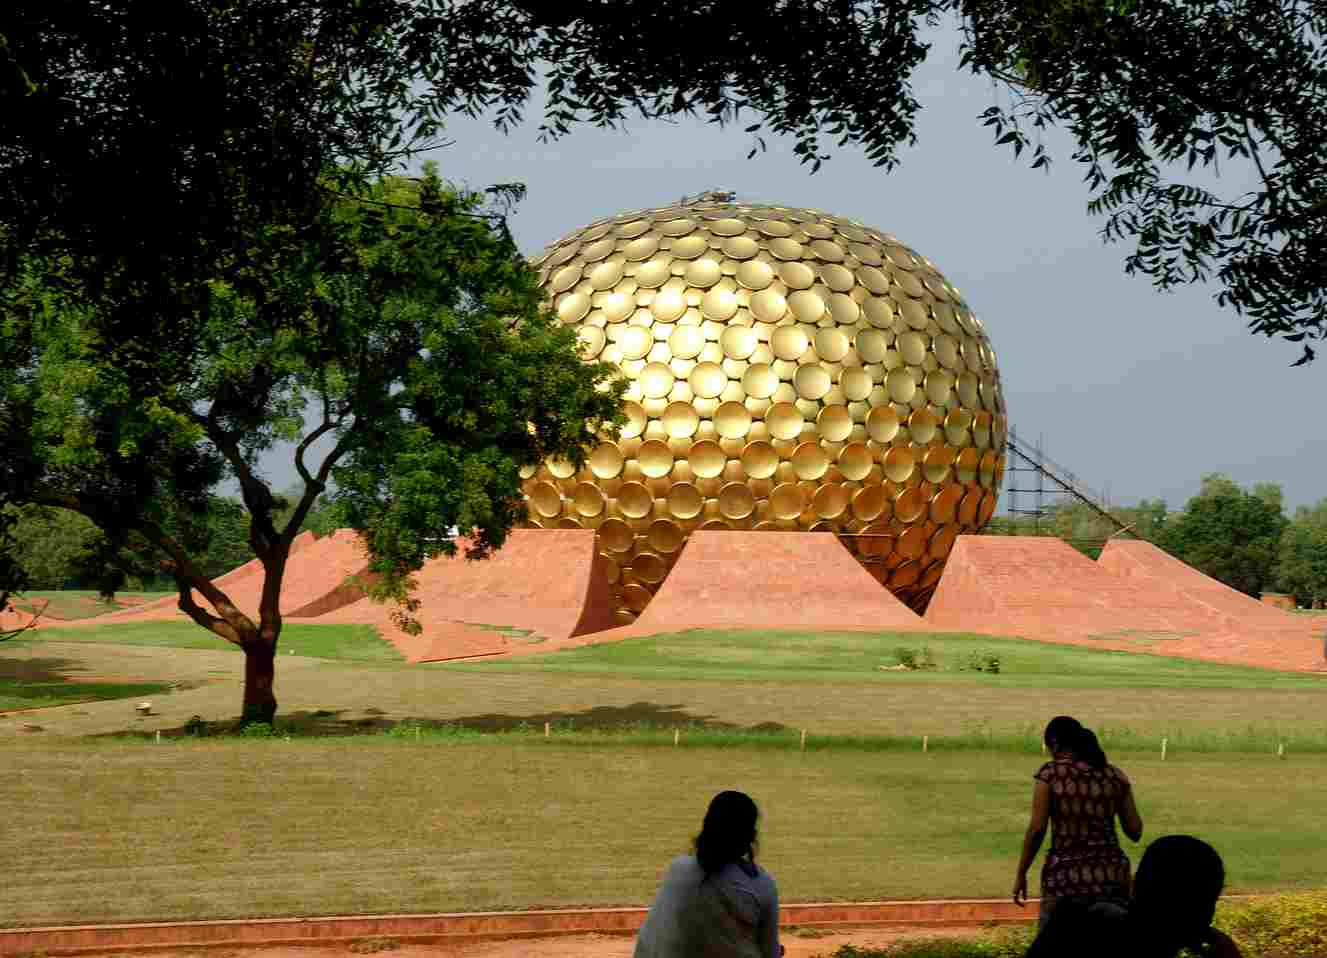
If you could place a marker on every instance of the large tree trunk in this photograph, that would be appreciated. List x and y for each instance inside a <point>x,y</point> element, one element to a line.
<point>259,676</point>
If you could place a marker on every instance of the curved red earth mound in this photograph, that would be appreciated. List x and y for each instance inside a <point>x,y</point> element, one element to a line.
<point>317,568</point>
<point>1040,587</point>
<point>541,588</point>
<point>769,580</point>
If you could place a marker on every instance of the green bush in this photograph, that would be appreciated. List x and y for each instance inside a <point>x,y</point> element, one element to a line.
<point>1282,926</point>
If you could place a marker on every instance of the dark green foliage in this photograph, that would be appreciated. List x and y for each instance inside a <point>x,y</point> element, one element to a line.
<point>1301,568</point>
<point>1230,534</point>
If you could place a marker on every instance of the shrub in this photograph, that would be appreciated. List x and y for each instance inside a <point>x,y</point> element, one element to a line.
<point>1284,926</point>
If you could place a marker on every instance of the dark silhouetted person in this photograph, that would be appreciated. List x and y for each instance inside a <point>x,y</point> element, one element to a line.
<point>717,903</point>
<point>1174,898</point>
<point>1080,795</point>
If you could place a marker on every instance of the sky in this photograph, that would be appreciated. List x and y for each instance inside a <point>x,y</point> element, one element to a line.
<point>1139,393</point>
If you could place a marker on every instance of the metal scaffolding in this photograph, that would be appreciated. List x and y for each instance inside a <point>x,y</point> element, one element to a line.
<point>1027,474</point>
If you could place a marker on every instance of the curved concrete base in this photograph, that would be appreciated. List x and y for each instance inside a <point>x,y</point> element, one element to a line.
<point>543,586</point>
<point>770,580</point>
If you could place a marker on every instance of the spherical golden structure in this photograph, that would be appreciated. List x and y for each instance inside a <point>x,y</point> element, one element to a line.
<point>788,370</point>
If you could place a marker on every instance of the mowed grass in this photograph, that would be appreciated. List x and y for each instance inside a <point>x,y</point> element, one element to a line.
<point>795,657</point>
<point>214,828</point>
<point>17,692</point>
<point>348,643</point>
<point>73,604</point>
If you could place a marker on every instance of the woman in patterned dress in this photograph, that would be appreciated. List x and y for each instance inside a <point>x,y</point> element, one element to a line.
<point>1080,795</point>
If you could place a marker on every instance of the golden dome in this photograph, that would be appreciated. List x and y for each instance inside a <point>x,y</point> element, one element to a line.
<point>788,369</point>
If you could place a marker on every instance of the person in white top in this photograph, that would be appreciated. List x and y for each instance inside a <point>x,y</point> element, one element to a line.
<point>717,903</point>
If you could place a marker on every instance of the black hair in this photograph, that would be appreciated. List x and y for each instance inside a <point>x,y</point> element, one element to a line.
<point>1065,733</point>
<point>728,833</point>
<point>1178,881</point>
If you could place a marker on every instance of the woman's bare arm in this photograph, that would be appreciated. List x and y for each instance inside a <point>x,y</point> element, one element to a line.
<point>1130,820</point>
<point>1032,838</point>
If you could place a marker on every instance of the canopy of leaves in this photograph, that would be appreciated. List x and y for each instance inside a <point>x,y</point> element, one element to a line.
<point>1157,97</point>
<point>1230,534</point>
<point>1302,563</point>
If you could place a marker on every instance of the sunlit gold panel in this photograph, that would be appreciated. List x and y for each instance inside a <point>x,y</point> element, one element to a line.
<point>788,369</point>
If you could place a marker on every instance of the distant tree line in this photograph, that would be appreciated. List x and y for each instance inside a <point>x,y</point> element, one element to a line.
<point>60,549</point>
<point>1241,537</point>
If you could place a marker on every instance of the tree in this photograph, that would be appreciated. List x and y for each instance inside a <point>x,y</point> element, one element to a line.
<point>412,328</point>
<point>1230,534</point>
<point>1301,568</point>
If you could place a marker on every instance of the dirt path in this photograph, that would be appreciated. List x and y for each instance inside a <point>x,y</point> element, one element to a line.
<point>803,943</point>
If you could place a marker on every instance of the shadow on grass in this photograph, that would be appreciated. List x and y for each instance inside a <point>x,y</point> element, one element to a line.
<point>325,723</point>
<point>39,669</point>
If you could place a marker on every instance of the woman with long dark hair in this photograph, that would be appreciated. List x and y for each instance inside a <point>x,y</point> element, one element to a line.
<point>716,903</point>
<point>1080,795</point>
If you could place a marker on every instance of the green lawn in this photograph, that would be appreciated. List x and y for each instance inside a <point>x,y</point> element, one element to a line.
<point>856,657</point>
<point>213,827</point>
<point>72,604</point>
<point>21,693</point>
<point>350,643</point>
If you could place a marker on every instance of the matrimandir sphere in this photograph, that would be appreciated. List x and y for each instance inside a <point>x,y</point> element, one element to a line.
<point>788,370</point>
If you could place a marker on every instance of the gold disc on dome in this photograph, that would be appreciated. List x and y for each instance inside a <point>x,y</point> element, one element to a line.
<point>703,273</point>
<point>872,345</point>
<point>686,342</point>
<point>830,500</point>
<point>759,381</point>
<point>837,278</point>
<point>573,307</point>
<point>855,461</point>
<point>912,544</point>
<point>856,383</point>
<point>942,542</point>
<point>684,501</point>
<point>784,421</point>
<point>719,304</point>
<point>587,499</point>
<point>597,250</point>
<point>545,499</point>
<point>738,342</point>
<point>809,461</point>
<point>868,502</point>
<point>939,386</point>
<point>649,567</point>
<point>910,506</point>
<point>882,423</point>
<point>655,458</point>
<point>668,306</point>
<point>967,508</point>
<point>654,274</point>
<point>732,420</point>
<point>707,459</point>
<point>636,597</point>
<point>688,247</point>
<point>834,423</point>
<point>740,247</point>
<point>944,507</point>
<point>898,464</point>
<point>796,275</point>
<point>923,426</point>
<point>616,535</point>
<point>827,250</point>
<point>635,342</point>
<point>736,501</point>
<point>729,226</point>
<point>759,459</point>
<point>665,535</point>
<point>937,463</point>
<point>565,278</point>
<point>812,381</point>
<point>590,341</point>
<point>606,275</point>
<point>618,307</point>
<point>785,249</point>
<point>680,420</point>
<point>606,461</point>
<point>965,466</point>
<point>768,306</point>
<point>832,345</point>
<point>900,384</point>
<point>786,501</point>
<point>755,274</point>
<point>636,420</point>
<point>806,306</point>
<point>656,381</point>
<point>707,380</point>
<point>774,228</point>
<point>641,249</point>
<point>634,500</point>
<point>789,342</point>
<point>879,312</point>
<point>677,227</point>
<point>844,309</point>
<point>714,525</point>
<point>873,279</point>
<point>912,347</point>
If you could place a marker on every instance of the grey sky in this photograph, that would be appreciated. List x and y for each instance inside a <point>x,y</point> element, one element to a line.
<point>1140,393</point>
